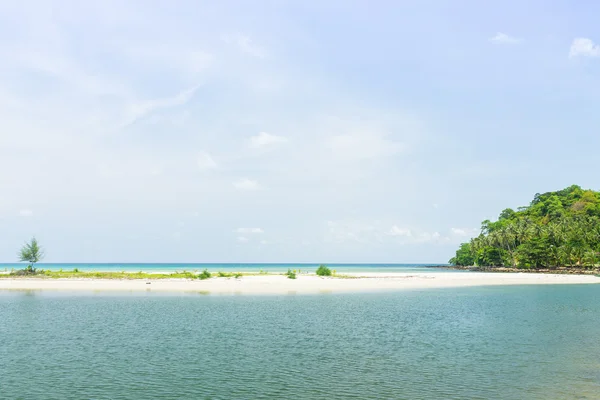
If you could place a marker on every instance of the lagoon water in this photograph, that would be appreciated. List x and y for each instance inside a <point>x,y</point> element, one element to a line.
<point>509,342</point>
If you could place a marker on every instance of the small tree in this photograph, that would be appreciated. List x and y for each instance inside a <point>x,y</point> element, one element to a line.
<point>32,253</point>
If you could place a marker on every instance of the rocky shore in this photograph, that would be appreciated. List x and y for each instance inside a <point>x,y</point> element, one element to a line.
<point>556,270</point>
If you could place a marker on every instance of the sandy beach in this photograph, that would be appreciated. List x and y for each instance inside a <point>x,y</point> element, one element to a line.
<point>305,284</point>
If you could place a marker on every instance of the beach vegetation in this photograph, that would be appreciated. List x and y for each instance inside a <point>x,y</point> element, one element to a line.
<point>323,270</point>
<point>464,256</point>
<point>76,273</point>
<point>108,274</point>
<point>291,274</point>
<point>204,275</point>
<point>31,252</point>
<point>222,274</point>
<point>556,230</point>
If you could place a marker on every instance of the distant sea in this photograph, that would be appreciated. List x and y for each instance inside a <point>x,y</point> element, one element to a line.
<point>226,267</point>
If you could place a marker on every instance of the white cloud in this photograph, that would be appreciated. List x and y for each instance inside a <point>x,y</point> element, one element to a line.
<point>245,44</point>
<point>363,146</point>
<point>396,231</point>
<point>349,231</point>
<point>352,231</point>
<point>205,161</point>
<point>503,38</point>
<point>249,230</point>
<point>26,213</point>
<point>461,232</point>
<point>141,109</point>
<point>427,237</point>
<point>246,184</point>
<point>264,139</point>
<point>584,47</point>
<point>242,239</point>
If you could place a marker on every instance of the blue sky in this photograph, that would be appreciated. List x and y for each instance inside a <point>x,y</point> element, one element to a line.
<point>267,131</point>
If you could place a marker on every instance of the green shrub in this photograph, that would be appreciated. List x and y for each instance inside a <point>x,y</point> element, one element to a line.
<point>237,275</point>
<point>76,270</point>
<point>323,271</point>
<point>204,275</point>
<point>291,274</point>
<point>187,275</point>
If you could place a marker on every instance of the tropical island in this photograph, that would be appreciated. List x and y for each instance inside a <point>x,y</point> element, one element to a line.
<point>556,231</point>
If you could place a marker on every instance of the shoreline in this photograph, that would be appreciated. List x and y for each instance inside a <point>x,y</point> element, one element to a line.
<point>554,271</point>
<point>305,284</point>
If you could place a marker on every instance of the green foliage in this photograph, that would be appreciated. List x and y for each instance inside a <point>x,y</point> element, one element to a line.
<point>557,229</point>
<point>204,275</point>
<point>222,274</point>
<point>323,271</point>
<point>111,275</point>
<point>75,273</point>
<point>32,253</point>
<point>464,256</point>
<point>186,275</point>
<point>291,274</point>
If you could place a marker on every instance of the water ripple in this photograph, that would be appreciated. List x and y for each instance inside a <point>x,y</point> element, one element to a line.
<point>475,343</point>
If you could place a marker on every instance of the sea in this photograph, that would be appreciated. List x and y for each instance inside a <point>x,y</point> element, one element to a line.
<point>229,267</point>
<point>501,342</point>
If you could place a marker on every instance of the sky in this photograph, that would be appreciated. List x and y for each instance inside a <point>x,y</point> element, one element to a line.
<point>287,131</point>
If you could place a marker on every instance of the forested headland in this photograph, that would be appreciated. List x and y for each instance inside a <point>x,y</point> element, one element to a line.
<point>557,229</point>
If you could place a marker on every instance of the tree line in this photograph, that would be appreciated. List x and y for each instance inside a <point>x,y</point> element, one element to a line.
<point>558,229</point>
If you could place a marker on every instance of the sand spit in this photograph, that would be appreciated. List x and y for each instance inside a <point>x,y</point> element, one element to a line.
<point>304,284</point>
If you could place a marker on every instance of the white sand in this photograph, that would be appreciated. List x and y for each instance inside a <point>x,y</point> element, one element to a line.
<point>304,284</point>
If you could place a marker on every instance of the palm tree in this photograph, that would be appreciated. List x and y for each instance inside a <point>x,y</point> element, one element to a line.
<point>32,253</point>
<point>505,238</point>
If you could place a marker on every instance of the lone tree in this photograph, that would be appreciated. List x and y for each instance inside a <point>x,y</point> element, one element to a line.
<point>31,252</point>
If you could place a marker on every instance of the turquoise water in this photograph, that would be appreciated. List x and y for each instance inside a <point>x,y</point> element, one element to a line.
<point>512,342</point>
<point>282,267</point>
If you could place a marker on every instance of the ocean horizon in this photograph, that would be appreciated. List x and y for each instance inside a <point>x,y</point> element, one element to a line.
<point>230,267</point>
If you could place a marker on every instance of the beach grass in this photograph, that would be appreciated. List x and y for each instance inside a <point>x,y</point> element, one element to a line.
<point>118,275</point>
<point>130,275</point>
<point>75,273</point>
